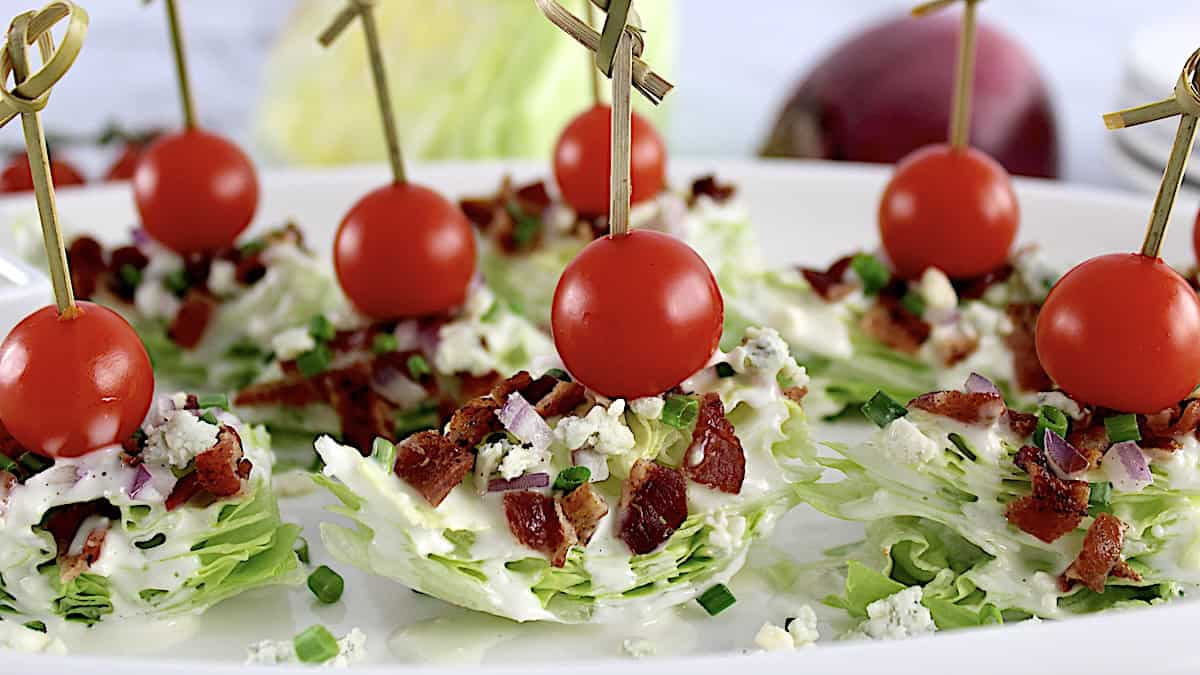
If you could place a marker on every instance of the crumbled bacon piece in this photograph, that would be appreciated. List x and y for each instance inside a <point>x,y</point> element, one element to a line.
<point>1100,556</point>
<point>364,414</point>
<point>653,505</point>
<point>250,269</point>
<point>471,423</point>
<point>71,566</point>
<point>186,488</point>
<point>562,399</point>
<point>1091,440</point>
<point>1056,506</point>
<point>196,266</point>
<point>187,329</point>
<point>1178,421</point>
<point>538,522</point>
<point>715,458</point>
<point>218,468</point>
<point>517,383</point>
<point>1022,424</point>
<point>584,509</point>
<point>294,392</point>
<point>975,287</point>
<point>965,407</point>
<point>830,284</point>
<point>795,394</point>
<point>1030,375</point>
<point>708,186</point>
<point>63,522</point>
<point>890,322</point>
<point>86,259</point>
<point>496,216</point>
<point>432,465</point>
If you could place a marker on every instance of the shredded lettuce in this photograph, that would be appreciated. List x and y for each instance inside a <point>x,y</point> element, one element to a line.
<point>84,599</point>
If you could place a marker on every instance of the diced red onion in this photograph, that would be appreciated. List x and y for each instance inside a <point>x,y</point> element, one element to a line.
<point>140,478</point>
<point>526,482</point>
<point>1065,459</point>
<point>160,410</point>
<point>397,388</point>
<point>408,336</point>
<point>525,423</point>
<point>1126,466</point>
<point>428,338</point>
<point>978,384</point>
<point>595,462</point>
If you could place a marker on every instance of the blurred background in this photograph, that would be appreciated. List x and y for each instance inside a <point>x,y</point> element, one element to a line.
<point>491,78</point>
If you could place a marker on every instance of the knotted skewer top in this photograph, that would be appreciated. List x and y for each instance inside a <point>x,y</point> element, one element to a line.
<point>29,95</point>
<point>1185,102</point>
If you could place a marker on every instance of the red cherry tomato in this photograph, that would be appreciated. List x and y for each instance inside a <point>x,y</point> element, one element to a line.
<point>635,315</point>
<point>404,251</point>
<point>1122,331</point>
<point>71,386</point>
<point>583,160</point>
<point>195,191</point>
<point>950,209</point>
<point>17,177</point>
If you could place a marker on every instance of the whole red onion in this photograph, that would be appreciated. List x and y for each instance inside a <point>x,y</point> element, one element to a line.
<point>886,92</point>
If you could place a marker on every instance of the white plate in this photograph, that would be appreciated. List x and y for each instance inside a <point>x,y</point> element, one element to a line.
<point>805,212</point>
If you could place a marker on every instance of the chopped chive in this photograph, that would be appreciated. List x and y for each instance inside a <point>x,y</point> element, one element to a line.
<point>463,539</point>
<point>569,479</point>
<point>151,595</point>
<point>559,374</point>
<point>384,343</point>
<point>210,418</point>
<point>153,542</point>
<point>244,349</point>
<point>321,329</point>
<point>34,464</point>
<point>1122,428</point>
<point>253,246</point>
<point>314,361</point>
<point>213,401</point>
<point>873,274</point>
<point>7,464</point>
<point>725,370</point>
<point>526,226</point>
<point>384,452</point>
<point>716,599</point>
<point>787,623</point>
<point>883,409</point>
<point>36,625</point>
<point>177,282</point>
<point>418,367</point>
<point>492,312</point>
<point>962,446</point>
<point>680,411</point>
<point>914,303</point>
<point>326,584</point>
<point>301,550</point>
<point>1050,418</point>
<point>1100,498</point>
<point>315,645</point>
<point>495,437</point>
<point>130,275</point>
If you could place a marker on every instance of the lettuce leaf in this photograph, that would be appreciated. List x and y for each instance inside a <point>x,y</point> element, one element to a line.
<point>84,599</point>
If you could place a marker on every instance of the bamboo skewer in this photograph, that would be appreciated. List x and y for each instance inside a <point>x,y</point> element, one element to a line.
<point>364,10</point>
<point>620,187</point>
<point>181,70</point>
<point>25,30</point>
<point>964,79</point>
<point>597,88</point>
<point>1185,103</point>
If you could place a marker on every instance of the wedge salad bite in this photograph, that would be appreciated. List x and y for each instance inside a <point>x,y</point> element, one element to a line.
<point>945,296</point>
<point>418,334</point>
<point>629,481</point>
<point>528,233</point>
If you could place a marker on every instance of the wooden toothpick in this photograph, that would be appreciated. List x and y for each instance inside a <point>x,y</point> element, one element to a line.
<point>617,49</point>
<point>1186,103</point>
<point>181,70</point>
<point>964,80</point>
<point>597,89</point>
<point>26,29</point>
<point>364,10</point>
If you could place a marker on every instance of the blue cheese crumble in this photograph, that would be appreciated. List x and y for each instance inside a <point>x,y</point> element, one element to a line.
<point>602,429</point>
<point>904,443</point>
<point>293,342</point>
<point>179,439</point>
<point>897,617</point>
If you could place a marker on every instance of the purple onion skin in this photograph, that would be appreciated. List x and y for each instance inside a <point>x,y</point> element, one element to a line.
<point>886,91</point>
<point>1068,463</point>
<point>526,482</point>
<point>978,384</point>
